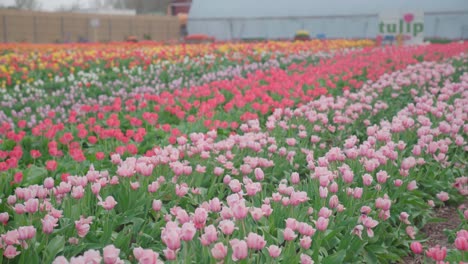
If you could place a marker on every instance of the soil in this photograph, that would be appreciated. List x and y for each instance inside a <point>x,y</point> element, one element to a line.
<point>435,231</point>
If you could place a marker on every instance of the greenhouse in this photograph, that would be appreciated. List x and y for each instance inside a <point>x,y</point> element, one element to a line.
<point>280,19</point>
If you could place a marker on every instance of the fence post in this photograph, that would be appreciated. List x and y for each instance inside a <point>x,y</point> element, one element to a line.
<point>231,30</point>
<point>5,35</point>
<point>110,30</point>
<point>87,29</point>
<point>149,28</point>
<point>167,32</point>
<point>35,29</point>
<point>62,28</point>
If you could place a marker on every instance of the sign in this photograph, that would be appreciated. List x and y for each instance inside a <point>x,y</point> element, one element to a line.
<point>94,22</point>
<point>403,28</point>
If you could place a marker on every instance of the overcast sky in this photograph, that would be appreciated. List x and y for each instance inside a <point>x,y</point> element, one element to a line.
<point>51,5</point>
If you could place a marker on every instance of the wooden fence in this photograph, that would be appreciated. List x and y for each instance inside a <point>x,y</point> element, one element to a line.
<point>43,27</point>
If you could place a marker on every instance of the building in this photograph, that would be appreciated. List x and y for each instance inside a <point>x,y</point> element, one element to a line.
<point>106,11</point>
<point>280,19</point>
<point>179,7</point>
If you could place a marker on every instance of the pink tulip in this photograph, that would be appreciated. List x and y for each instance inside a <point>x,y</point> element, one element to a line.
<point>436,253</point>
<point>153,187</point>
<point>461,242</point>
<point>61,260</point>
<point>416,247</point>
<point>188,231</point>
<point>292,223</point>
<point>210,234</point>
<point>168,253</point>
<point>404,217</point>
<point>256,213</point>
<point>239,249</point>
<point>357,193</point>
<point>443,196</point>
<point>255,241</point>
<point>322,223</point>
<point>289,234</point>
<point>259,175</point>
<point>31,205</point>
<point>325,212</point>
<point>11,237</point>
<point>92,257</point>
<point>305,229</point>
<point>134,185</point>
<point>333,187</point>
<point>398,183</point>
<point>77,192</point>
<point>111,254</point>
<point>274,251</point>
<point>306,242</point>
<point>181,190</point>
<point>10,252</point>
<point>83,225</point>
<point>157,205</point>
<point>144,169</point>
<point>333,202</point>
<point>146,255</point>
<point>367,179</point>
<point>4,218</point>
<point>412,186</point>
<point>26,232</point>
<point>51,165</point>
<point>48,224</point>
<point>370,223</point>
<point>215,205</point>
<point>266,209</point>
<point>358,231</point>
<point>383,203</point>
<point>297,198</point>
<point>226,227</point>
<point>382,176</point>
<point>410,232</point>
<point>323,192</point>
<point>11,199</point>
<point>239,210</point>
<point>295,178</point>
<point>49,183</point>
<point>171,238</point>
<point>108,204</point>
<point>219,251</point>
<point>199,218</point>
<point>235,185</point>
<point>305,259</point>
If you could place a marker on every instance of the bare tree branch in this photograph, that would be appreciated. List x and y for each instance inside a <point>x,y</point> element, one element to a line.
<point>27,4</point>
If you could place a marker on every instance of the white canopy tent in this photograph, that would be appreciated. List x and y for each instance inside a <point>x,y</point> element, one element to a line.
<point>276,19</point>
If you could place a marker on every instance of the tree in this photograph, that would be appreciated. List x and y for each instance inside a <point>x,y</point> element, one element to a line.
<point>142,6</point>
<point>74,7</point>
<point>27,4</point>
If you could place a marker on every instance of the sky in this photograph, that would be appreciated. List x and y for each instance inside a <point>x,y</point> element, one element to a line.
<point>51,5</point>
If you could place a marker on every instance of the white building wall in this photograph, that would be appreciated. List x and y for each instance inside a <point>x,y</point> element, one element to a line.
<point>280,19</point>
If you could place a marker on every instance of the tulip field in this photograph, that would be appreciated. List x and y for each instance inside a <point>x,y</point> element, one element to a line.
<point>321,151</point>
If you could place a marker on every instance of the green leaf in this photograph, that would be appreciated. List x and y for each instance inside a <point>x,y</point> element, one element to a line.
<point>370,257</point>
<point>376,249</point>
<point>123,238</point>
<point>338,257</point>
<point>280,236</point>
<point>54,247</point>
<point>35,175</point>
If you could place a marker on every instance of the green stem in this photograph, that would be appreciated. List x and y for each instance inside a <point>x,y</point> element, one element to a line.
<point>186,257</point>
<point>243,227</point>
<point>45,252</point>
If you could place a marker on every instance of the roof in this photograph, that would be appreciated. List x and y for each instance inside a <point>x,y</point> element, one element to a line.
<point>205,9</point>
